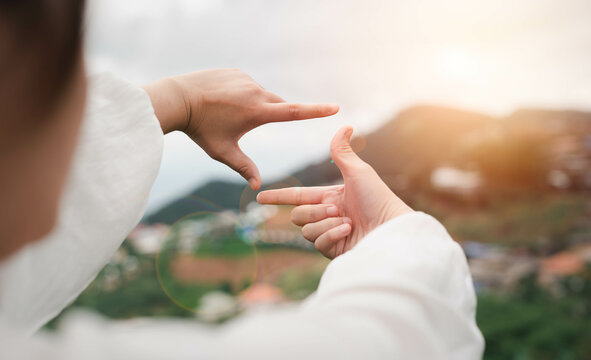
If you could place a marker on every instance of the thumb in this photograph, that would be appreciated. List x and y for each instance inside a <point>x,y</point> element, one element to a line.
<point>243,165</point>
<point>342,153</point>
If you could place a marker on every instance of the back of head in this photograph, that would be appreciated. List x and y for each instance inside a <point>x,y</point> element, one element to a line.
<point>42,91</point>
<point>40,43</point>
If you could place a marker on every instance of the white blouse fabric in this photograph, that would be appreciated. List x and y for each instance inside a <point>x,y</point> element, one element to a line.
<point>404,292</point>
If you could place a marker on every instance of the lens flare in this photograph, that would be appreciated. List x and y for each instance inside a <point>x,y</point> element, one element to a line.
<point>203,253</point>
<point>215,262</point>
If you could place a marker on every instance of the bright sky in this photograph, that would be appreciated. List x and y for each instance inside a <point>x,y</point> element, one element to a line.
<point>373,57</point>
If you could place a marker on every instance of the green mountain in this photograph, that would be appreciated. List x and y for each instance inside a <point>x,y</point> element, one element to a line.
<point>213,196</point>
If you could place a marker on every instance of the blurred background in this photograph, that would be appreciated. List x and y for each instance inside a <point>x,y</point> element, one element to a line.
<point>478,113</point>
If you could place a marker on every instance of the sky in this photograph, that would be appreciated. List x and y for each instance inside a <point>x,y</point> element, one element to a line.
<point>372,57</point>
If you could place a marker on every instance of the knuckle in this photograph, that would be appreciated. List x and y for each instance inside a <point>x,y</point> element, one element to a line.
<point>243,169</point>
<point>298,195</point>
<point>253,88</point>
<point>341,148</point>
<point>293,110</point>
<point>217,156</point>
<point>220,152</point>
<point>327,196</point>
<point>344,149</point>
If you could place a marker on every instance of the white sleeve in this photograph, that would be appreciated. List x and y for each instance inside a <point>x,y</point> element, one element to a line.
<point>115,164</point>
<point>404,292</point>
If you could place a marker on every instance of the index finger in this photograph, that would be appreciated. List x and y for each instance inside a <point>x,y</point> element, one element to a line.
<point>277,112</point>
<point>294,195</point>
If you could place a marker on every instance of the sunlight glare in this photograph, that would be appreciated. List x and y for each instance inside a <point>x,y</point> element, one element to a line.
<point>458,64</point>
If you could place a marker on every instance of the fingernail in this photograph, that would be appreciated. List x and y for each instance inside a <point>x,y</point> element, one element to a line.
<point>344,228</point>
<point>349,133</point>
<point>347,221</point>
<point>332,211</point>
<point>252,182</point>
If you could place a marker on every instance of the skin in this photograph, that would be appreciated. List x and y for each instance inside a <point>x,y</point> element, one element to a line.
<point>336,218</point>
<point>215,108</point>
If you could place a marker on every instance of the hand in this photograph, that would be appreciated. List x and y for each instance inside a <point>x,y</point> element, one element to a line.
<point>216,108</point>
<point>337,217</point>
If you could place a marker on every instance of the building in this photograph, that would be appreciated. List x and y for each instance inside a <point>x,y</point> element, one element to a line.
<point>260,295</point>
<point>147,239</point>
<point>454,180</point>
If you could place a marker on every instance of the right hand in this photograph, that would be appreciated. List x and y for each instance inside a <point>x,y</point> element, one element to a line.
<point>362,203</point>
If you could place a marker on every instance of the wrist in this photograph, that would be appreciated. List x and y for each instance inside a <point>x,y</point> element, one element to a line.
<point>169,103</point>
<point>395,209</point>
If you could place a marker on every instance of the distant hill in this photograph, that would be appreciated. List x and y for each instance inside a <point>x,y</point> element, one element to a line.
<point>407,148</point>
<point>213,196</point>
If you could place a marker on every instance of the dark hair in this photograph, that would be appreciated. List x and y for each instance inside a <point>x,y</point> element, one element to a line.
<point>40,45</point>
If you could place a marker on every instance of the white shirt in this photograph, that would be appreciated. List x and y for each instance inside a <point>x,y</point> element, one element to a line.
<point>404,292</point>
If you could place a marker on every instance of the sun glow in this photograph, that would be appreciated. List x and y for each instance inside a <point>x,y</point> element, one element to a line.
<point>459,64</point>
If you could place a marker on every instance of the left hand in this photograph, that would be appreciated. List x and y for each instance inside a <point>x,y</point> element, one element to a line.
<point>215,108</point>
